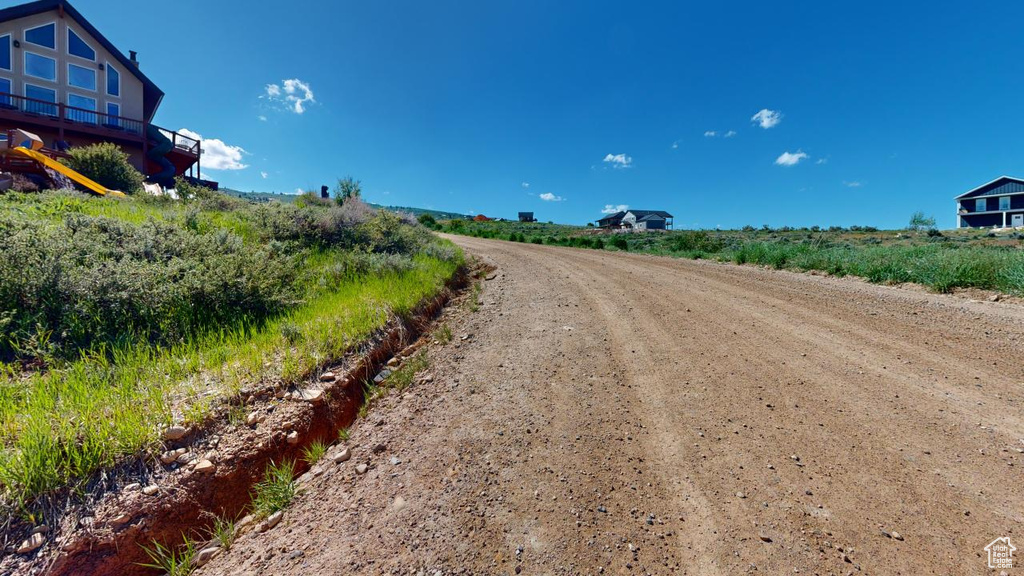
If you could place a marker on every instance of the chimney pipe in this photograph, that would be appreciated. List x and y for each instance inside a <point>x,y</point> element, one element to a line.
<point>134,57</point>
<point>325,192</point>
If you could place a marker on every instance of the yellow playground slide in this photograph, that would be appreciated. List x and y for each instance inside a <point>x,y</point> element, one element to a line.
<point>75,177</point>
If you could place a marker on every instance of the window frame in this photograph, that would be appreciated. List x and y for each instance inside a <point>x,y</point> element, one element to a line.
<point>983,203</point>
<point>95,54</point>
<point>107,68</point>
<point>1008,203</point>
<point>25,31</point>
<point>7,100</point>
<point>95,78</point>
<point>79,109</point>
<point>113,119</point>
<point>27,74</point>
<point>55,103</point>
<point>10,51</point>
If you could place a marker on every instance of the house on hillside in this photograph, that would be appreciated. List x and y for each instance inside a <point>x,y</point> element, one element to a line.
<point>62,80</point>
<point>999,203</point>
<point>637,220</point>
<point>526,217</point>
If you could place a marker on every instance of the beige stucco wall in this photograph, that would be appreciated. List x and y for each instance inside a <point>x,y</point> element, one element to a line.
<point>130,100</point>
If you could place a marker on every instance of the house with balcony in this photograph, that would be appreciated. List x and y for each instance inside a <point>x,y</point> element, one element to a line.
<point>62,80</point>
<point>999,203</point>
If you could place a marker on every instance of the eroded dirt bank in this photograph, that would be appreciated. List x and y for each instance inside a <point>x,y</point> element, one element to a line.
<point>627,414</point>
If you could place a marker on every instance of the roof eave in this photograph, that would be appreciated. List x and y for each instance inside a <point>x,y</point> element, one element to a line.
<point>975,189</point>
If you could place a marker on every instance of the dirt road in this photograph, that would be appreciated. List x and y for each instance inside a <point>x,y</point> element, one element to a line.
<point>623,414</point>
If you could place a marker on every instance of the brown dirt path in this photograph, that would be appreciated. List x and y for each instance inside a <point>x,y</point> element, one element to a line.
<point>623,414</point>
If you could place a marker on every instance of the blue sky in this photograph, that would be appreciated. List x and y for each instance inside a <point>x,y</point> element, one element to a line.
<point>878,109</point>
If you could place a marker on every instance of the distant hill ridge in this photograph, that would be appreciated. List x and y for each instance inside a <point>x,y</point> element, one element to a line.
<point>284,197</point>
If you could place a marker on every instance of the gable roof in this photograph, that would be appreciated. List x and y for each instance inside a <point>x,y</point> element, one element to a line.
<point>616,216</point>
<point>644,213</point>
<point>650,217</point>
<point>151,95</point>
<point>990,188</point>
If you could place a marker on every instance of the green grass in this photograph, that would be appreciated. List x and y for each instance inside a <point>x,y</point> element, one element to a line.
<point>942,261</point>
<point>275,491</point>
<point>314,452</point>
<point>343,434</point>
<point>443,334</point>
<point>171,561</point>
<point>109,400</point>
<point>223,532</point>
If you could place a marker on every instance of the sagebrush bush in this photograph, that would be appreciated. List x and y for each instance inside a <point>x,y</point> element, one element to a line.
<point>108,165</point>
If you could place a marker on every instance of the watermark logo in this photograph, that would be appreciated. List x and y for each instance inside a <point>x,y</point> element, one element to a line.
<point>1000,553</point>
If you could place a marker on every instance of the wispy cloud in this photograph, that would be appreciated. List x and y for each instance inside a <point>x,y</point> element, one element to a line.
<point>217,155</point>
<point>613,208</point>
<point>729,134</point>
<point>822,160</point>
<point>294,94</point>
<point>791,158</point>
<point>261,118</point>
<point>549,197</point>
<point>710,134</point>
<point>675,145</point>
<point>525,185</point>
<point>767,118</point>
<point>853,184</point>
<point>264,175</point>
<point>618,161</point>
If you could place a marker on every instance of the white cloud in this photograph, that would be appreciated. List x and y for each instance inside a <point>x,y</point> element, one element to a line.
<point>262,118</point>
<point>264,175</point>
<point>549,197</point>
<point>791,158</point>
<point>294,94</point>
<point>618,161</point>
<point>767,118</point>
<point>217,155</point>
<point>821,161</point>
<point>675,145</point>
<point>710,134</point>
<point>730,134</point>
<point>854,184</point>
<point>525,185</point>
<point>612,209</point>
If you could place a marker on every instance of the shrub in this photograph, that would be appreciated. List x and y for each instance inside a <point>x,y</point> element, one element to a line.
<point>428,220</point>
<point>918,221</point>
<point>347,188</point>
<point>620,243</point>
<point>690,240</point>
<point>107,165</point>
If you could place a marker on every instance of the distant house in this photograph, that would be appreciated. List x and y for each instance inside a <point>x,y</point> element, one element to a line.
<point>526,217</point>
<point>637,220</point>
<point>998,203</point>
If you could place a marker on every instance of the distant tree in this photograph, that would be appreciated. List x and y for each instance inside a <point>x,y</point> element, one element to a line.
<point>590,224</point>
<point>921,222</point>
<point>347,187</point>
<point>428,220</point>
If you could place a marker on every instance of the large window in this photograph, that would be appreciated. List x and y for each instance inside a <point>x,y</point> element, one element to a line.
<point>5,91</point>
<point>113,119</point>
<point>81,77</point>
<point>40,67</point>
<point>44,94</point>
<point>1004,202</point>
<point>79,106</point>
<point>5,52</point>
<point>981,205</point>
<point>113,81</point>
<point>45,36</point>
<point>78,47</point>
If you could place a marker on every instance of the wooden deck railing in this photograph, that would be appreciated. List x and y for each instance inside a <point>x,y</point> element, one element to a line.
<point>67,117</point>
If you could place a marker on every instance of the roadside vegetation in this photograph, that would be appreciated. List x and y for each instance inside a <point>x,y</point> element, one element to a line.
<point>942,261</point>
<point>119,317</point>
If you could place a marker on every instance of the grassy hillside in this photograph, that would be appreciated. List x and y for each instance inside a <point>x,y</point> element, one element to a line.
<point>942,261</point>
<point>121,316</point>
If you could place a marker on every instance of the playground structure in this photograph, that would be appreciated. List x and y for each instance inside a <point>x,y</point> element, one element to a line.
<point>25,154</point>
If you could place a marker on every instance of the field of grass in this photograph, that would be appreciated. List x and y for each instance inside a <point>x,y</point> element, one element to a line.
<point>942,261</point>
<point>122,316</point>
